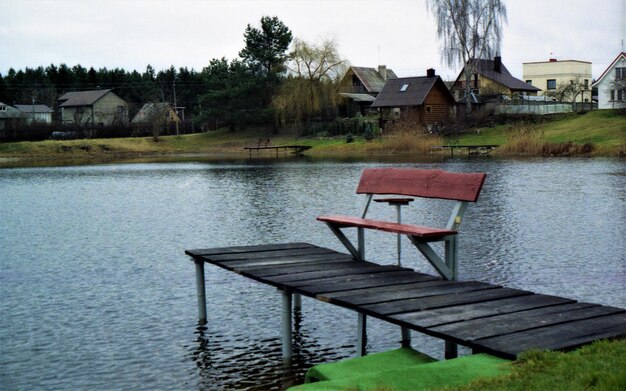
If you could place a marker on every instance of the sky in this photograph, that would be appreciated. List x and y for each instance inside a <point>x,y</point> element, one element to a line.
<point>400,34</point>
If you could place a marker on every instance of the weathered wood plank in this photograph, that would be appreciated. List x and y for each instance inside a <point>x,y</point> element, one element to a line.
<point>266,271</point>
<point>563,336</point>
<point>273,254</point>
<point>448,287</point>
<point>247,249</point>
<point>459,313</point>
<point>331,296</point>
<point>420,304</point>
<point>344,272</point>
<point>380,279</point>
<point>523,320</point>
<point>286,261</point>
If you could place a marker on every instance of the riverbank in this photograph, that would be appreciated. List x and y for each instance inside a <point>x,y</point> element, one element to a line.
<point>597,133</point>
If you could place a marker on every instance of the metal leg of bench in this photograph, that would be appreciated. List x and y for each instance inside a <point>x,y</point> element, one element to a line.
<point>201,291</point>
<point>286,334</point>
<point>361,335</point>
<point>297,302</point>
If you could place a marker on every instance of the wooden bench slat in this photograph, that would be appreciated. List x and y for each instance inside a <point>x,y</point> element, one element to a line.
<point>422,183</point>
<point>405,229</point>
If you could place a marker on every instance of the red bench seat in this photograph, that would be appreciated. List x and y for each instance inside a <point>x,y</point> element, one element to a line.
<point>405,229</point>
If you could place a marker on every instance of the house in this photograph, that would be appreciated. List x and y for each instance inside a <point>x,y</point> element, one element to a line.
<point>359,86</point>
<point>612,85</point>
<point>98,107</point>
<point>148,111</point>
<point>554,74</point>
<point>491,78</point>
<point>9,116</point>
<point>424,99</point>
<point>36,113</point>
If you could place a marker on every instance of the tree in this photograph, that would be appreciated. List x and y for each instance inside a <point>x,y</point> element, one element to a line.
<point>310,87</point>
<point>569,91</point>
<point>266,48</point>
<point>468,29</point>
<point>232,97</point>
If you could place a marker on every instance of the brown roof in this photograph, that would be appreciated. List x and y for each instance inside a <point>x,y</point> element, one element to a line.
<point>371,79</point>
<point>486,68</point>
<point>408,91</point>
<point>82,98</point>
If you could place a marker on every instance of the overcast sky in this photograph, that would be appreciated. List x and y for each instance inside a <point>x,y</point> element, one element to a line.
<point>401,34</point>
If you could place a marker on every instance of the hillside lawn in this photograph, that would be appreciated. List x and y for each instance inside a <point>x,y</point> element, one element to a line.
<point>604,129</point>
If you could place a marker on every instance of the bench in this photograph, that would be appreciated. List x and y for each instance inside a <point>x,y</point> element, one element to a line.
<point>459,187</point>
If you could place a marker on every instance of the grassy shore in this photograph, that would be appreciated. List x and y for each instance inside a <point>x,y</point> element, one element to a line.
<point>601,132</point>
<point>598,366</point>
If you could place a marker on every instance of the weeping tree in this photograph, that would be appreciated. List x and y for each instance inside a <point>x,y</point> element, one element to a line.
<point>309,89</point>
<point>468,30</point>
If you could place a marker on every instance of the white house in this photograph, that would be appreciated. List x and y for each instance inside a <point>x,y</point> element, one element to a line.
<point>612,85</point>
<point>36,113</point>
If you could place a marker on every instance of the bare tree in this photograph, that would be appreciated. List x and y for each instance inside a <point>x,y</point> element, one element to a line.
<point>570,90</point>
<point>310,87</point>
<point>469,30</point>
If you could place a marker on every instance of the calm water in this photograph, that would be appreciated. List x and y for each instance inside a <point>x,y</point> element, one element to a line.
<point>96,292</point>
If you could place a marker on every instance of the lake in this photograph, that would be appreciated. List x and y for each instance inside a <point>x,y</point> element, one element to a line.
<point>98,294</point>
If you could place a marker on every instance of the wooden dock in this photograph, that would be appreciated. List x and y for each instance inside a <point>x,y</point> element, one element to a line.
<point>296,149</point>
<point>471,149</point>
<point>485,317</point>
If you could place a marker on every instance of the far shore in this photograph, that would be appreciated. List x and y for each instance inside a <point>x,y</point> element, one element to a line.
<point>597,133</point>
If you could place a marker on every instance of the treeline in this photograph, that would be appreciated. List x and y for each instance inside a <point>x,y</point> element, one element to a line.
<point>256,88</point>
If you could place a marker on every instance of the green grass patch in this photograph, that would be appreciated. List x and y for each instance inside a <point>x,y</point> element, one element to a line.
<point>599,366</point>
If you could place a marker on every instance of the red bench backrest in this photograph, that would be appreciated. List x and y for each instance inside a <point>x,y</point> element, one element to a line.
<point>422,183</point>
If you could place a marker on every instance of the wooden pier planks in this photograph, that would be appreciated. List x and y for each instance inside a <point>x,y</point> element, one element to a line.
<point>486,317</point>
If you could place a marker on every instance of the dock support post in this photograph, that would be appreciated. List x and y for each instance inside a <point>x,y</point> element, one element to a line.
<point>201,291</point>
<point>297,302</point>
<point>286,328</point>
<point>451,251</point>
<point>361,319</point>
<point>362,335</point>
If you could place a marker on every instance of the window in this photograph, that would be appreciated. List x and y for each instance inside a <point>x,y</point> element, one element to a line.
<point>429,109</point>
<point>586,84</point>
<point>529,82</point>
<point>620,95</point>
<point>552,84</point>
<point>620,73</point>
<point>404,87</point>
<point>3,108</point>
<point>612,94</point>
<point>80,110</point>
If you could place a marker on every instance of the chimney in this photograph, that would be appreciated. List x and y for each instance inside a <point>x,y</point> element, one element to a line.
<point>430,72</point>
<point>553,60</point>
<point>497,64</point>
<point>382,71</point>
